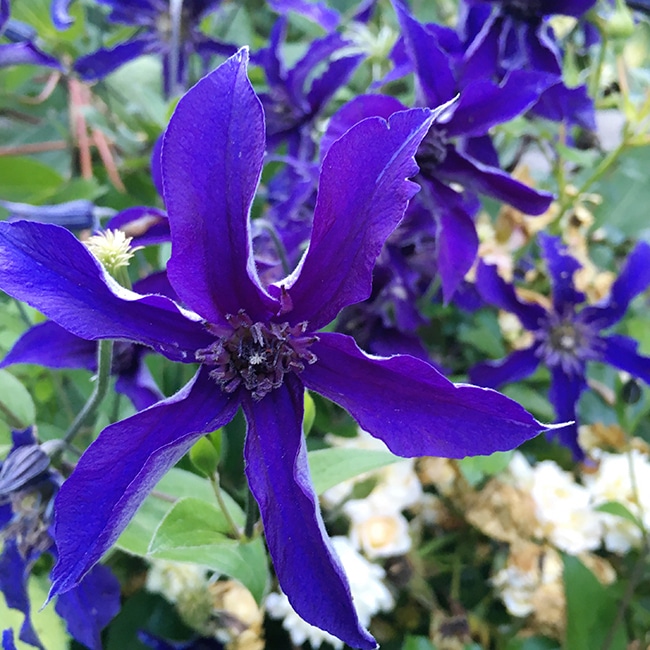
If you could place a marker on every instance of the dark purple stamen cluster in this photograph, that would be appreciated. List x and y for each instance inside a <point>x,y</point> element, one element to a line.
<point>566,343</point>
<point>256,354</point>
<point>527,10</point>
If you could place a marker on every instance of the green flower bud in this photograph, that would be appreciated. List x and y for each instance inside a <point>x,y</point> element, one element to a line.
<point>310,413</point>
<point>205,457</point>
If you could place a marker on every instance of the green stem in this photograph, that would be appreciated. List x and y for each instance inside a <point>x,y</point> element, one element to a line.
<point>214,481</point>
<point>104,362</point>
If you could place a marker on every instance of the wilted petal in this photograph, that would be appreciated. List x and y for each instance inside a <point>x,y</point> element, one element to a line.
<point>633,279</point>
<point>362,196</point>
<point>211,160</point>
<point>308,571</point>
<point>621,352</point>
<point>49,269</point>
<point>561,267</point>
<point>564,393</point>
<point>496,291</point>
<point>49,345</point>
<point>90,606</point>
<point>104,61</point>
<point>129,458</point>
<point>411,407</point>
<point>516,366</point>
<point>477,177</point>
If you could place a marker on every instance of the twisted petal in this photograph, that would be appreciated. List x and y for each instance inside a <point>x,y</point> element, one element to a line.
<point>49,345</point>
<point>211,164</point>
<point>621,352</point>
<point>516,366</point>
<point>561,267</point>
<point>46,267</point>
<point>496,291</point>
<point>362,195</point>
<point>564,394</point>
<point>484,179</point>
<point>102,62</point>
<point>129,458</point>
<point>633,280</point>
<point>60,16</point>
<point>276,466</point>
<point>411,407</point>
<point>91,606</point>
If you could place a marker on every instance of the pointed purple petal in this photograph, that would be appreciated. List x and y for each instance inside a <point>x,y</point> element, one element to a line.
<point>561,267</point>
<point>317,12</point>
<point>129,458</point>
<point>621,352</point>
<point>633,279</point>
<point>49,345</point>
<point>494,182</point>
<point>211,161</point>
<point>516,366</point>
<point>25,53</point>
<point>104,61</point>
<point>496,291</point>
<point>564,394</point>
<point>49,269</point>
<point>60,15</point>
<point>362,195</point>
<point>8,640</point>
<point>411,407</point>
<point>276,466</point>
<point>139,385</point>
<point>90,606</point>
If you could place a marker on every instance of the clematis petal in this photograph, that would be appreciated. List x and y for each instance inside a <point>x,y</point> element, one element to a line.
<point>211,163</point>
<point>8,640</point>
<point>147,226</point>
<point>130,457</point>
<point>90,606</point>
<point>25,53</point>
<point>633,279</point>
<point>49,269</point>
<point>60,14</point>
<point>362,196</point>
<point>564,393</point>
<point>621,352</point>
<point>317,12</point>
<point>308,571</point>
<point>561,267</point>
<point>104,61</point>
<point>49,345</point>
<point>516,366</point>
<point>496,291</point>
<point>414,409</point>
<point>138,385</point>
<point>492,181</point>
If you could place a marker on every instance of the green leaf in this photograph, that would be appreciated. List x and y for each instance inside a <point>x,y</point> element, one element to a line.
<point>417,643</point>
<point>619,510</point>
<point>16,405</point>
<point>27,180</point>
<point>476,468</point>
<point>591,609</point>
<point>49,627</point>
<point>329,467</point>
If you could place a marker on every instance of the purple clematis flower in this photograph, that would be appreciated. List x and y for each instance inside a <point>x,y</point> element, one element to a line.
<point>569,334</point>
<point>27,488</point>
<point>21,50</point>
<point>166,27</point>
<point>258,346</point>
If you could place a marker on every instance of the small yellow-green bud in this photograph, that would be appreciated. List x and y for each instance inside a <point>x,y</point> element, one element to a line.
<point>216,438</point>
<point>619,25</point>
<point>310,413</point>
<point>205,457</point>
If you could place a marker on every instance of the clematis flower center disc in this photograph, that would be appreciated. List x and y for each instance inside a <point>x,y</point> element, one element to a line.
<point>256,355</point>
<point>567,343</point>
<point>527,10</point>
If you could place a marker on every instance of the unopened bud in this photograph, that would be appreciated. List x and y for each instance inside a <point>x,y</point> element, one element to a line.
<point>310,413</point>
<point>205,457</point>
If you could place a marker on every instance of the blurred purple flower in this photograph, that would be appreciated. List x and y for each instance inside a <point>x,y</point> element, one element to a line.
<point>259,346</point>
<point>27,489</point>
<point>169,28</point>
<point>568,335</point>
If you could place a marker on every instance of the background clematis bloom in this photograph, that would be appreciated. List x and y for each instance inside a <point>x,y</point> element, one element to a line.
<point>258,346</point>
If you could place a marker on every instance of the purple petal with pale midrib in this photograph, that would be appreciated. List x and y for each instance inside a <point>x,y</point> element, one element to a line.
<point>211,163</point>
<point>362,196</point>
<point>308,571</point>
<point>411,407</point>
<point>564,393</point>
<point>48,268</point>
<point>49,345</point>
<point>129,458</point>
<point>561,267</point>
<point>621,352</point>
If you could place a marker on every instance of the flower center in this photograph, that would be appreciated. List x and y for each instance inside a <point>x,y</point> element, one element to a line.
<point>567,343</point>
<point>257,355</point>
<point>527,10</point>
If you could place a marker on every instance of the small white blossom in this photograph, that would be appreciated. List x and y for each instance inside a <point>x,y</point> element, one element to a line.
<point>369,593</point>
<point>174,579</point>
